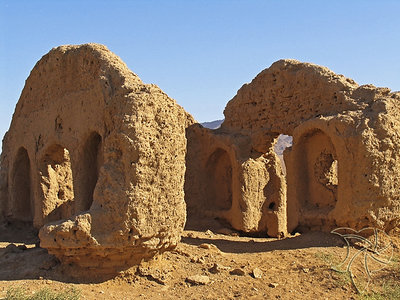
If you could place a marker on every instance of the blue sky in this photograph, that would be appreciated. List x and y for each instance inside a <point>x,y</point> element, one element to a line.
<point>201,52</point>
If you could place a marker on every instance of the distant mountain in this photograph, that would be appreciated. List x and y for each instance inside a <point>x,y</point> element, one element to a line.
<point>213,124</point>
<point>283,142</point>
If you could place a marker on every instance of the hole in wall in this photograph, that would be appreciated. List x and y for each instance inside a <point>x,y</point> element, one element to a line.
<point>284,141</point>
<point>271,205</point>
<point>60,194</point>
<point>58,127</point>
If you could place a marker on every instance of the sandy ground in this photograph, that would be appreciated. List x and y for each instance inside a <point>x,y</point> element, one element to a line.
<point>229,267</point>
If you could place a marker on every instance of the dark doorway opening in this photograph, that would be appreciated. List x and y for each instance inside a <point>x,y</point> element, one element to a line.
<point>92,162</point>
<point>21,200</point>
<point>219,188</point>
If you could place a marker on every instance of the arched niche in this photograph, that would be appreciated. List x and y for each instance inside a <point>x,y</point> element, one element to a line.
<point>21,199</point>
<point>92,161</point>
<point>57,184</point>
<point>317,172</point>
<point>219,187</point>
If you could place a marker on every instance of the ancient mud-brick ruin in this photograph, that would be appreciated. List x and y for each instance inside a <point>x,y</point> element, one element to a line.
<point>96,159</point>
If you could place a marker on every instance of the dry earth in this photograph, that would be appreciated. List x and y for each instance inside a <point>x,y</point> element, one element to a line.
<point>232,266</point>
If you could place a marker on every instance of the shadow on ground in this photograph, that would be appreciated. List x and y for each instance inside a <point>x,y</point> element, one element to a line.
<point>22,258</point>
<point>305,240</point>
<point>18,232</point>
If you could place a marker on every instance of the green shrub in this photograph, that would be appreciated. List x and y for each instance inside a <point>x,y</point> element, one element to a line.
<point>390,290</point>
<point>19,293</point>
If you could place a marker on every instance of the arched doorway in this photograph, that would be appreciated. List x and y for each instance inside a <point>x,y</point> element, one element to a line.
<point>21,202</point>
<point>57,184</point>
<point>92,161</point>
<point>219,188</point>
<point>317,172</point>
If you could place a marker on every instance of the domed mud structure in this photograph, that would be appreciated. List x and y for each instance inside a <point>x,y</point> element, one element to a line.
<point>96,158</point>
<point>341,170</point>
<point>99,157</point>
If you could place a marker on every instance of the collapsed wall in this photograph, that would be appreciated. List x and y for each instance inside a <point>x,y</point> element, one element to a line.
<point>98,158</point>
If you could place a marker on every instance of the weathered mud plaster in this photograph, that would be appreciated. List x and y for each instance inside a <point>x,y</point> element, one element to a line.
<point>344,165</point>
<point>98,154</point>
<point>226,178</point>
<point>96,158</point>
